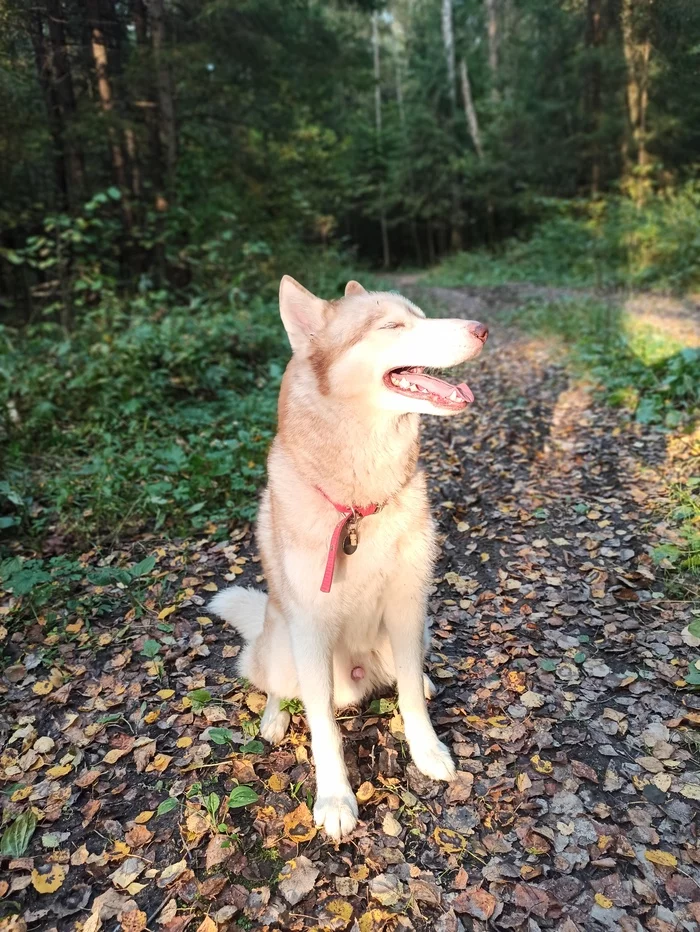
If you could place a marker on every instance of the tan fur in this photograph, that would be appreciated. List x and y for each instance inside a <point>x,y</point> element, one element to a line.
<point>341,429</point>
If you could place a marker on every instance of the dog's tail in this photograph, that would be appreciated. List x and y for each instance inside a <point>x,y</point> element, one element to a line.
<point>244,609</point>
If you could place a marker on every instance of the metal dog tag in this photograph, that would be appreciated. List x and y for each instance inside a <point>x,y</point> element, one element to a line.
<point>350,542</point>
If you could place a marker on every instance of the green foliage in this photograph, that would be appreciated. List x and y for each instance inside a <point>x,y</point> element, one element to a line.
<point>609,242</point>
<point>162,415</point>
<point>16,837</point>
<point>241,796</point>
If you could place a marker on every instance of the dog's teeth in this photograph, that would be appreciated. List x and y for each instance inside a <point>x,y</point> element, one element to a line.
<point>424,390</point>
<point>394,380</point>
<point>454,396</point>
<point>414,388</point>
<point>404,383</point>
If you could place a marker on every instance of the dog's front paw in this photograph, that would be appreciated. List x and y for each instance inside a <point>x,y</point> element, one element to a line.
<point>433,759</point>
<point>274,723</point>
<point>336,814</point>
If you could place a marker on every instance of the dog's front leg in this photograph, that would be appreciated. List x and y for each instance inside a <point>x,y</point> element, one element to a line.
<point>404,617</point>
<point>336,806</point>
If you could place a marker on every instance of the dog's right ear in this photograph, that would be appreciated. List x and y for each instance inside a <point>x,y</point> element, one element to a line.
<point>302,313</point>
<point>354,287</point>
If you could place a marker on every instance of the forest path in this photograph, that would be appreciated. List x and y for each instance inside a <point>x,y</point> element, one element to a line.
<point>678,317</point>
<point>559,662</point>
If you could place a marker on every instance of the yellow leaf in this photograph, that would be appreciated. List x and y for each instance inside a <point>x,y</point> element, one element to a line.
<point>211,587</point>
<point>159,763</point>
<point>277,782</point>
<point>49,881</point>
<point>111,757</point>
<point>166,611</point>
<point>203,620</point>
<point>299,824</point>
<point>256,702</point>
<point>662,858</point>
<point>165,693</point>
<point>450,842</point>
<point>691,791</point>
<point>374,920</point>
<point>60,770</point>
<point>151,717</point>
<point>184,742</point>
<point>19,795</point>
<point>42,687</point>
<point>364,792</point>
<point>75,627</point>
<point>541,766</point>
<point>144,816</point>
<point>340,908</point>
<point>603,901</point>
<point>359,872</point>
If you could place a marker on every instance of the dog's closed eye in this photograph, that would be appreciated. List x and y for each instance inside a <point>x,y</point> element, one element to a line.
<point>392,325</point>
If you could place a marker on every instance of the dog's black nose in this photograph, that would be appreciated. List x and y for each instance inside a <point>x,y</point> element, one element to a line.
<point>480,331</point>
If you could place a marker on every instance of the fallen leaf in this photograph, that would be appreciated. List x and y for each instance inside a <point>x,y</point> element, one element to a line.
<point>297,878</point>
<point>299,824</point>
<point>662,858</point>
<point>603,901</point>
<point>170,873</point>
<point>134,921</point>
<point>48,880</point>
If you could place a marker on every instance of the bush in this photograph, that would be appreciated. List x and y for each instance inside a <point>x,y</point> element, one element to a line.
<point>613,242</point>
<point>157,414</point>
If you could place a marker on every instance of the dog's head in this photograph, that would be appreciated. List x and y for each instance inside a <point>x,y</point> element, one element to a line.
<point>373,348</point>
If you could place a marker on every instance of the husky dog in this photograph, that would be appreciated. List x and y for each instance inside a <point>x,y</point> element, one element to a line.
<point>345,533</point>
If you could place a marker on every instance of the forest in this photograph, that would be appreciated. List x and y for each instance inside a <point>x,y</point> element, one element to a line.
<point>153,144</point>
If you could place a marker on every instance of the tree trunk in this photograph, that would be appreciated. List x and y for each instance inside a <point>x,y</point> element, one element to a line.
<point>167,128</point>
<point>386,256</point>
<point>594,41</point>
<point>448,42</point>
<point>637,51</point>
<point>493,36</point>
<point>63,97</point>
<point>469,111</point>
<point>53,112</point>
<point>98,47</point>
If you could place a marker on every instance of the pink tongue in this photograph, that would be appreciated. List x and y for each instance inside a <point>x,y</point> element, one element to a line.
<point>438,387</point>
<point>465,391</point>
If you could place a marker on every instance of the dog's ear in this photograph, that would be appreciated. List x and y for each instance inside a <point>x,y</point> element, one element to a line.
<point>302,313</point>
<point>354,288</point>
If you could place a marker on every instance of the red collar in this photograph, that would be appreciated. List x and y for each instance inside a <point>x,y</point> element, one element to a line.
<point>350,514</point>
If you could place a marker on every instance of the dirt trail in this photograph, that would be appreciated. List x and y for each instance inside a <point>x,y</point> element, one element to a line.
<point>558,658</point>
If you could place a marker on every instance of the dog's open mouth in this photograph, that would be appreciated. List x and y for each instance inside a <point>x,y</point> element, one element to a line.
<point>412,380</point>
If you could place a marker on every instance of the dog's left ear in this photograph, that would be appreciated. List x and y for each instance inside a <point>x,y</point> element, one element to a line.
<point>303,314</point>
<point>354,288</point>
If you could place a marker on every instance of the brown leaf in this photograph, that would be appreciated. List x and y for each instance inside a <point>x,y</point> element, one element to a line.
<point>475,902</point>
<point>134,921</point>
<point>138,836</point>
<point>460,789</point>
<point>531,899</point>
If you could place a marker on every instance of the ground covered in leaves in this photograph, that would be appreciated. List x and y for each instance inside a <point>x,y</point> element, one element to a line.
<point>137,794</point>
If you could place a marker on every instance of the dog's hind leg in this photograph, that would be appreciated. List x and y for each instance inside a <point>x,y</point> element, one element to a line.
<point>275,720</point>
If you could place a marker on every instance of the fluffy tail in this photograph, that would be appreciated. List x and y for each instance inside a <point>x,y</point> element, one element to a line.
<point>244,609</point>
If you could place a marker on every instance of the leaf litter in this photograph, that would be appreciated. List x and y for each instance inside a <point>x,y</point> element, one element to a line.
<point>137,795</point>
